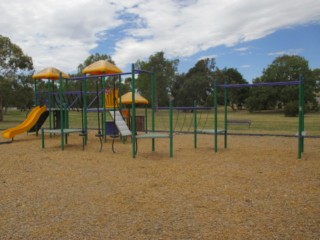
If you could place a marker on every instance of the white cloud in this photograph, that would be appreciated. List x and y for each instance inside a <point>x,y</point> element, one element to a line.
<point>245,66</point>
<point>242,49</point>
<point>62,33</point>
<point>184,31</point>
<point>208,56</point>
<point>286,52</point>
<point>56,33</point>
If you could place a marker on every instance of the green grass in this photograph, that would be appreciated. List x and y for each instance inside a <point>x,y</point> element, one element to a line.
<point>12,118</point>
<point>263,122</point>
<point>269,122</point>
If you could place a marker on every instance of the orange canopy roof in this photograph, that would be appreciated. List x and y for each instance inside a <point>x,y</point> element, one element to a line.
<point>127,99</point>
<point>101,67</point>
<point>50,73</point>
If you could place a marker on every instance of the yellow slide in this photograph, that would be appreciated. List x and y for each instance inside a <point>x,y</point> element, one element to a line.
<point>28,123</point>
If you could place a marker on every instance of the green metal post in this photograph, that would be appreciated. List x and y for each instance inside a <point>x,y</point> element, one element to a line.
<point>61,113</point>
<point>195,123</point>
<point>84,88</point>
<point>300,140</point>
<point>103,109</point>
<point>133,120</point>
<point>302,149</point>
<point>225,116</point>
<point>120,92</point>
<point>146,117</point>
<point>153,107</point>
<point>66,120</point>
<point>42,137</point>
<point>171,129</point>
<point>50,93</point>
<point>215,104</point>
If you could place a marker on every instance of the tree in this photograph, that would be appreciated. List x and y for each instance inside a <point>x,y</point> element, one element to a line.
<point>316,77</point>
<point>91,84</point>
<point>236,96</point>
<point>89,60</point>
<point>94,58</point>
<point>283,69</point>
<point>15,72</point>
<point>196,84</point>
<point>164,77</point>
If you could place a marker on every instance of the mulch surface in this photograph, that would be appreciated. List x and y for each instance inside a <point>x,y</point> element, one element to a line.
<point>254,189</point>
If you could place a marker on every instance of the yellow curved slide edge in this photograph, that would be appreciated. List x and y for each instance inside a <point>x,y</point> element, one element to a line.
<point>28,123</point>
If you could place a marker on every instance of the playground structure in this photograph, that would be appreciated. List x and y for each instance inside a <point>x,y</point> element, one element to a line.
<point>107,101</point>
<point>210,126</point>
<point>38,114</point>
<point>215,131</point>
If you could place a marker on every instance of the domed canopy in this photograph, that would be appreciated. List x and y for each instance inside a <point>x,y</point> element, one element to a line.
<point>127,99</point>
<point>50,73</point>
<point>101,67</point>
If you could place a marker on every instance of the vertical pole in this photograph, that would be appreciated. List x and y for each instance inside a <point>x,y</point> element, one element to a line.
<point>114,99</point>
<point>225,116</point>
<point>215,104</point>
<point>120,92</point>
<point>171,127</point>
<point>302,83</point>
<point>61,114</point>
<point>133,121</point>
<point>103,109</point>
<point>195,123</point>
<point>146,117</point>
<point>50,91</point>
<point>153,107</point>
<point>65,118</point>
<point>84,88</point>
<point>300,141</point>
<point>42,137</point>
<point>120,99</point>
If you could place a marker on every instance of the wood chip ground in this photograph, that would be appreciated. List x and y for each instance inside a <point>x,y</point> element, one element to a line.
<point>254,189</point>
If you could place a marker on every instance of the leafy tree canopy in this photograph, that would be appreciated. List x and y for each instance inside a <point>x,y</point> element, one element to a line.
<point>15,75</point>
<point>165,74</point>
<point>236,96</point>
<point>94,58</point>
<point>196,84</point>
<point>283,69</point>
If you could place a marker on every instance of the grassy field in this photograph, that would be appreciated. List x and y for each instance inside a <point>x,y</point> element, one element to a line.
<point>268,122</point>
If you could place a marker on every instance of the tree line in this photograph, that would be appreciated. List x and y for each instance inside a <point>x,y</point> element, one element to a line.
<point>197,84</point>
<point>16,83</point>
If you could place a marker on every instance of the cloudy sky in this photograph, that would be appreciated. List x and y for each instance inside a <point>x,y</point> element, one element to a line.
<point>243,34</point>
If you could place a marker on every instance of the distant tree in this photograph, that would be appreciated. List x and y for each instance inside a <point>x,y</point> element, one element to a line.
<point>15,73</point>
<point>93,58</point>
<point>236,96</point>
<point>283,69</point>
<point>164,70</point>
<point>91,84</point>
<point>196,84</point>
<point>316,77</point>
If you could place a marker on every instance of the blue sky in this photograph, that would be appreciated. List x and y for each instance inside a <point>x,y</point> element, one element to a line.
<point>250,58</point>
<point>243,34</point>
